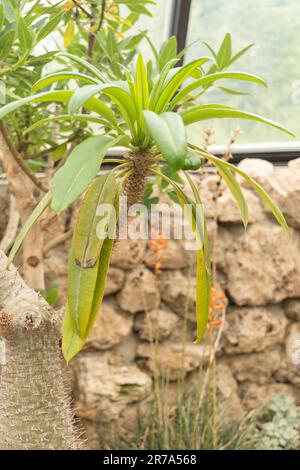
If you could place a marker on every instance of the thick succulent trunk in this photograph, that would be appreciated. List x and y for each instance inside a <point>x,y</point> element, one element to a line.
<point>35,411</point>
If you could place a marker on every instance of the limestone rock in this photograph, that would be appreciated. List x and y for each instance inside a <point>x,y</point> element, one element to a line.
<point>110,328</point>
<point>253,329</point>
<point>115,281</point>
<point>171,359</point>
<point>140,292</point>
<point>227,390</point>
<point>288,198</point>
<point>178,293</point>
<point>292,309</point>
<point>262,265</point>
<point>257,367</point>
<point>173,256</point>
<point>128,253</point>
<point>104,390</point>
<point>258,395</point>
<point>290,370</point>
<point>294,164</point>
<point>228,210</point>
<point>157,324</point>
<point>260,170</point>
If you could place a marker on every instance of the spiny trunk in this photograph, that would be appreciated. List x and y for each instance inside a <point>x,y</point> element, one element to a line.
<point>134,186</point>
<point>35,411</point>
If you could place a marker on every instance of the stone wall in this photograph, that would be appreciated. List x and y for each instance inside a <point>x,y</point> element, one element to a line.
<point>259,354</point>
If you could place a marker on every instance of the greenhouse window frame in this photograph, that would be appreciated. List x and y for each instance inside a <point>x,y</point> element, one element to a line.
<point>276,152</point>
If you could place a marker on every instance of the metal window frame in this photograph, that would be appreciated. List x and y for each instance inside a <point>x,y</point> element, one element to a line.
<point>275,152</point>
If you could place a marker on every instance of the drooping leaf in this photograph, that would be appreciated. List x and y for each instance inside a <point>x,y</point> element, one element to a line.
<point>79,170</point>
<point>168,132</point>
<point>261,192</point>
<point>202,113</point>
<point>35,215</point>
<point>58,76</point>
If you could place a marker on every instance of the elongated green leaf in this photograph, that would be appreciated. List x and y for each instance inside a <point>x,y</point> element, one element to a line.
<point>203,283</point>
<point>234,188</point>
<point>240,53</point>
<point>35,215</point>
<point>67,117</point>
<point>79,170</point>
<point>176,81</point>
<point>142,89</point>
<point>71,342</point>
<point>210,79</point>
<point>160,82</point>
<point>59,96</point>
<point>123,100</point>
<point>49,26</point>
<point>25,35</point>
<point>87,65</point>
<point>58,76</point>
<point>224,53</point>
<point>86,247</point>
<point>168,132</point>
<point>6,41</point>
<point>200,113</point>
<point>81,95</point>
<point>262,193</point>
<point>168,51</point>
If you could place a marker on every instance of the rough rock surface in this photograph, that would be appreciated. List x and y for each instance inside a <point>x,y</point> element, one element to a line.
<point>292,309</point>
<point>258,395</point>
<point>156,325</point>
<point>115,281</point>
<point>253,329</point>
<point>172,360</point>
<point>178,293</point>
<point>260,264</point>
<point>110,327</point>
<point>104,390</point>
<point>173,256</point>
<point>227,389</point>
<point>257,367</point>
<point>290,368</point>
<point>128,253</point>
<point>140,293</point>
<point>228,210</point>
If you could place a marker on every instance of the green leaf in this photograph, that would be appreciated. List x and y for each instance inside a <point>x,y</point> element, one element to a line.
<point>240,53</point>
<point>261,192</point>
<point>49,26</point>
<point>25,35</point>
<point>67,117</point>
<point>35,215</point>
<point>202,113</point>
<point>192,161</point>
<point>168,51</point>
<point>58,76</point>
<point>210,79</point>
<point>224,53</point>
<point>71,342</point>
<point>81,95</point>
<point>87,65</point>
<point>233,187</point>
<point>175,82</point>
<point>86,248</point>
<point>168,132</point>
<point>59,96</point>
<point>142,89</point>
<point>79,170</point>
<point>6,40</point>
<point>2,17</point>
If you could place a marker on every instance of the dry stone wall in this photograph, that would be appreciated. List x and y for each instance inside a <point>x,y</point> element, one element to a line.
<point>142,323</point>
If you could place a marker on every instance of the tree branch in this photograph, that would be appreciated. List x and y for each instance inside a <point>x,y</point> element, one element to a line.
<point>19,160</point>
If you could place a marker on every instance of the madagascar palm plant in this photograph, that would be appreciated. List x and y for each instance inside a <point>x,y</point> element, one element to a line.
<point>148,116</point>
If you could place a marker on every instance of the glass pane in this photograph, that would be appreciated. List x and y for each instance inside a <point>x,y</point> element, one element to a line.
<point>273,25</point>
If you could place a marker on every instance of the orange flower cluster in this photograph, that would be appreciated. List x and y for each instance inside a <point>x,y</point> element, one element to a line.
<point>157,245</point>
<point>69,5</point>
<point>217,305</point>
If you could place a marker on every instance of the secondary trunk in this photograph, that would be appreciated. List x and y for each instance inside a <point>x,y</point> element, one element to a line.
<point>35,411</point>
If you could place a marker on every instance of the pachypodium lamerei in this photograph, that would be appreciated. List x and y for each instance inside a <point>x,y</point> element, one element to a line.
<point>148,116</point>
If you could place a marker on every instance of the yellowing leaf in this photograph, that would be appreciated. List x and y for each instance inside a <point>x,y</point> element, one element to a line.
<point>69,33</point>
